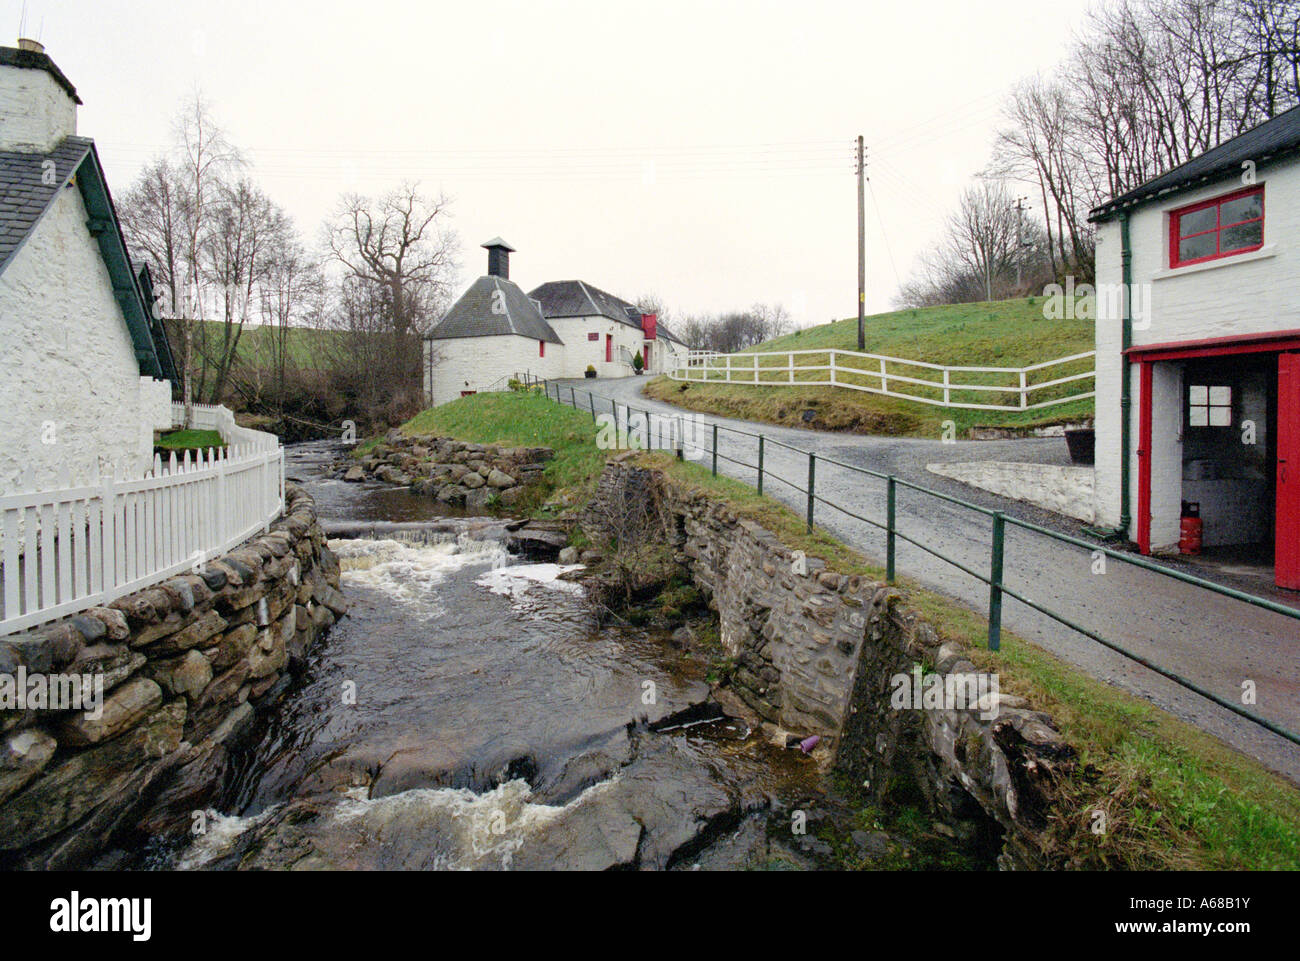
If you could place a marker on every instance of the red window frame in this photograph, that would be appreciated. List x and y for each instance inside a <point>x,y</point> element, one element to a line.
<point>1175,220</point>
<point>541,348</point>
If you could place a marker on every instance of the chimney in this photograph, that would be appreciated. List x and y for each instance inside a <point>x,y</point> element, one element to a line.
<point>498,258</point>
<point>38,104</point>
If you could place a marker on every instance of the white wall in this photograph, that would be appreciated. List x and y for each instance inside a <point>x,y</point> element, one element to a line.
<point>68,361</point>
<point>581,352</point>
<point>477,363</point>
<point>35,112</point>
<point>660,353</point>
<point>1246,294</point>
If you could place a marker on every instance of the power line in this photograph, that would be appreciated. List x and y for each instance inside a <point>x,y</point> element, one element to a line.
<point>884,236</point>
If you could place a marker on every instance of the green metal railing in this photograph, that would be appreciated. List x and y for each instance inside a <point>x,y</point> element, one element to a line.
<point>999,522</point>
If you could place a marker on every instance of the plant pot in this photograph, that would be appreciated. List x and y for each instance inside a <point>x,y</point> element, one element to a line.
<point>1082,443</point>
<point>590,374</point>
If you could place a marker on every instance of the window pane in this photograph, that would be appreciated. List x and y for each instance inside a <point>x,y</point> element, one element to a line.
<point>1198,394</point>
<point>1197,416</point>
<point>1197,221</point>
<point>1243,208</point>
<point>1194,248</point>
<point>1220,416</point>
<point>1243,235</point>
<point>1219,396</point>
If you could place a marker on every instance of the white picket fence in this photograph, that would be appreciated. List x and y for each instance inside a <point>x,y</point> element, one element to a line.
<point>846,368</point>
<point>76,547</point>
<point>220,419</point>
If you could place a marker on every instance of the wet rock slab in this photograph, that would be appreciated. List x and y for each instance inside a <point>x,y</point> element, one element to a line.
<point>663,802</point>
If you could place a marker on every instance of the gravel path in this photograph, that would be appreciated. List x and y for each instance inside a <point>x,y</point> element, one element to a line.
<point>1214,641</point>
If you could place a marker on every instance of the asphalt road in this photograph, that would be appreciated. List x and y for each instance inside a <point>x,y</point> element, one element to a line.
<point>1214,641</point>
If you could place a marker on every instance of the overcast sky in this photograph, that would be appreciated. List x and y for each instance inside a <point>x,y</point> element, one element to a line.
<point>702,151</point>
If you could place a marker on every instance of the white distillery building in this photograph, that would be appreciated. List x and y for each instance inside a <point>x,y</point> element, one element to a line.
<point>84,377</point>
<point>1205,360</point>
<point>496,332</point>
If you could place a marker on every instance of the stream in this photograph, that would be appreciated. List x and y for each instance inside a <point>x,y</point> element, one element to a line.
<point>467,714</point>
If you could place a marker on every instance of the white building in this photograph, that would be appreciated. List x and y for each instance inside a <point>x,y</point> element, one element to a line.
<point>603,331</point>
<point>496,332</point>
<point>85,370</point>
<point>1209,349</point>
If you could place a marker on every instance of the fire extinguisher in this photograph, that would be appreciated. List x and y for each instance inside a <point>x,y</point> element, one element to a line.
<point>1190,527</point>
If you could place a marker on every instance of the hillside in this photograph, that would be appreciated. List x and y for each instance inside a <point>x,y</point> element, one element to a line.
<point>1010,333</point>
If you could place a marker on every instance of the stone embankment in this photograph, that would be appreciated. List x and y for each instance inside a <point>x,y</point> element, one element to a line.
<point>457,473</point>
<point>820,652</point>
<point>185,667</point>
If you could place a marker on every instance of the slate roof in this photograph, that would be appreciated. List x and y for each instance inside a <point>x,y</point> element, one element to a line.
<point>24,198</point>
<point>662,331</point>
<point>1272,140</point>
<point>472,314</point>
<point>575,298</point>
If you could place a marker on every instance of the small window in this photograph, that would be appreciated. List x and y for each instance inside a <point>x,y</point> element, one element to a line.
<point>541,348</point>
<point>1227,225</point>
<point>1209,406</point>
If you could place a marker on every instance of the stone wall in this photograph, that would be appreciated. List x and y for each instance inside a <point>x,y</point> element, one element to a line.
<point>817,653</point>
<point>186,665</point>
<point>457,473</point>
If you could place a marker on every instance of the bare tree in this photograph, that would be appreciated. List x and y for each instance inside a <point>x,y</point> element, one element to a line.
<point>153,214</point>
<point>291,294</point>
<point>734,330</point>
<point>206,157</point>
<point>399,251</point>
<point>247,227</point>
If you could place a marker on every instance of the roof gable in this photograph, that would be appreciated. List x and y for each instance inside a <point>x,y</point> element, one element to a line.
<point>494,307</point>
<point>1269,142</point>
<point>27,192</point>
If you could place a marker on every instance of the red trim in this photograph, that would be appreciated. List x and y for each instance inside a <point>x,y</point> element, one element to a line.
<point>1175,220</point>
<point>1144,461</point>
<point>1277,340</point>
<point>1286,537</point>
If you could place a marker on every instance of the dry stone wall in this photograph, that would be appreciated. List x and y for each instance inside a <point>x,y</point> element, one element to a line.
<point>457,473</point>
<point>184,666</point>
<point>819,652</point>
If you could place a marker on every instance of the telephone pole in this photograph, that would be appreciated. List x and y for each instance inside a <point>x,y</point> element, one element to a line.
<point>862,244</point>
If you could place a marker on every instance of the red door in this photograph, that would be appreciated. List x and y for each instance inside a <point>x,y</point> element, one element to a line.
<point>609,348</point>
<point>1286,564</point>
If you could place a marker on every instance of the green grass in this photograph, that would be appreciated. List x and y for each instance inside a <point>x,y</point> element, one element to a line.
<point>193,439</point>
<point>1009,333</point>
<point>1174,796</point>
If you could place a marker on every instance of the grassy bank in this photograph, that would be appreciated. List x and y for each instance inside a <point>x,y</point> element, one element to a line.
<point>1009,333</point>
<point>523,419</point>
<point>191,439</point>
<point>1173,796</point>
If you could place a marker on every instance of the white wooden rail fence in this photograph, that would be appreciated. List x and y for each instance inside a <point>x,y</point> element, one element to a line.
<point>87,544</point>
<point>709,367</point>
